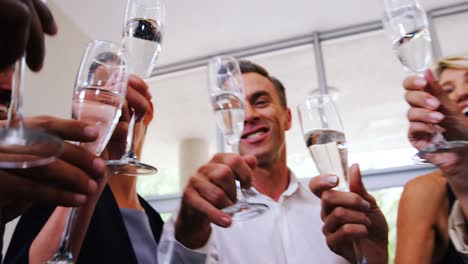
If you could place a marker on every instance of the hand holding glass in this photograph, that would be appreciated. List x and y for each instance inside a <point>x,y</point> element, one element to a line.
<point>142,36</point>
<point>226,88</point>
<point>324,137</point>
<point>98,97</point>
<point>407,25</point>
<point>22,147</point>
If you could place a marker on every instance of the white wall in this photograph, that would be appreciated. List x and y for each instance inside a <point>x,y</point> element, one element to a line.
<point>49,92</point>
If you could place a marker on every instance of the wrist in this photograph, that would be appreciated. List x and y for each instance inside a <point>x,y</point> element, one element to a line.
<point>193,232</point>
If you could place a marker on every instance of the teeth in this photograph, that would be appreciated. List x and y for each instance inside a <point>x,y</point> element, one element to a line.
<point>256,134</point>
<point>465,111</point>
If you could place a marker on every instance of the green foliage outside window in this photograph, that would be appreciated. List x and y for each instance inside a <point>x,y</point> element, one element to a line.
<point>388,200</point>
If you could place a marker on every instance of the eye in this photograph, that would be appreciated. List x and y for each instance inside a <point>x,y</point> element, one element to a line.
<point>261,102</point>
<point>448,88</point>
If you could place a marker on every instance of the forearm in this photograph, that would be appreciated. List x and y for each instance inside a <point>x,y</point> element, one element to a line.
<point>48,240</point>
<point>415,249</point>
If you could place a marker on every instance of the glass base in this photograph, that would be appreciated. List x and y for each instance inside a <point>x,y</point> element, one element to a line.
<point>130,167</point>
<point>447,146</point>
<point>244,210</point>
<point>61,258</point>
<point>28,147</point>
<point>62,261</point>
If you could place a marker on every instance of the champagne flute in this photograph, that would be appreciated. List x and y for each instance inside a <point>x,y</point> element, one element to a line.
<point>407,25</point>
<point>227,99</point>
<point>142,37</point>
<point>22,147</point>
<point>99,95</point>
<point>324,137</point>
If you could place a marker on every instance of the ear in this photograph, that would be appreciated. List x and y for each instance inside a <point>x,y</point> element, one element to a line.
<point>288,121</point>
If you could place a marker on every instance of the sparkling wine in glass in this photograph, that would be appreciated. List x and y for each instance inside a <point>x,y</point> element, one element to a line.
<point>329,152</point>
<point>324,137</point>
<point>226,88</point>
<point>142,36</point>
<point>142,42</point>
<point>228,108</point>
<point>408,28</point>
<point>406,23</point>
<point>98,97</point>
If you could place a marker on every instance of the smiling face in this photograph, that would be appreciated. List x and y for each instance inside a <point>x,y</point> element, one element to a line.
<point>266,120</point>
<point>455,83</point>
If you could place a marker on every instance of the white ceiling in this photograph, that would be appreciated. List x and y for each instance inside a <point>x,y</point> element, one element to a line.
<point>204,27</point>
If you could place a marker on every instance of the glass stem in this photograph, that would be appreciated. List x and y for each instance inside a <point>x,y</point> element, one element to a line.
<point>246,193</point>
<point>15,112</point>
<point>64,251</point>
<point>234,148</point>
<point>360,259</point>
<point>437,138</point>
<point>130,142</point>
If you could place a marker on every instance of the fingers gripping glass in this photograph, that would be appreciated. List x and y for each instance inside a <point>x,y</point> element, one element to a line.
<point>226,88</point>
<point>99,94</point>
<point>142,36</point>
<point>324,137</point>
<point>407,25</point>
<point>22,147</point>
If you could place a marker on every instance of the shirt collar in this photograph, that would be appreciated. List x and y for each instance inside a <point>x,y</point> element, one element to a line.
<point>293,185</point>
<point>292,188</point>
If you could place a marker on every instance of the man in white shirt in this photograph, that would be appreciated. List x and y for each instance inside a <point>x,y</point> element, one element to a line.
<point>289,232</point>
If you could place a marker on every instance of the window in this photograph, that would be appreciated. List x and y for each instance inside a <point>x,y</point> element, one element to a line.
<point>451,31</point>
<point>388,200</point>
<point>182,115</point>
<point>368,77</point>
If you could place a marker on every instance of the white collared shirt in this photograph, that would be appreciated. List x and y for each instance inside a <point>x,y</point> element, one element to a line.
<point>289,232</point>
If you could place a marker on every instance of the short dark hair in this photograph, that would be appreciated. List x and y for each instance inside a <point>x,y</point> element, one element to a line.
<point>248,66</point>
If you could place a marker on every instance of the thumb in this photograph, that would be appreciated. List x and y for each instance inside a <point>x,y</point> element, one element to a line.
<point>447,106</point>
<point>355,182</point>
<point>251,161</point>
<point>454,122</point>
<point>432,84</point>
<point>357,186</point>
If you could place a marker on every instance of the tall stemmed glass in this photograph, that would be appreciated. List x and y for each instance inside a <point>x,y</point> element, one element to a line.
<point>226,88</point>
<point>324,137</point>
<point>22,147</point>
<point>407,25</point>
<point>99,94</point>
<point>142,38</point>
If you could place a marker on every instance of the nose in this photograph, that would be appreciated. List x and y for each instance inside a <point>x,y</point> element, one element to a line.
<point>250,114</point>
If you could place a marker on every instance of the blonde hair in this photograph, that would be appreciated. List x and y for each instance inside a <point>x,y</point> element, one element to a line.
<point>457,61</point>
